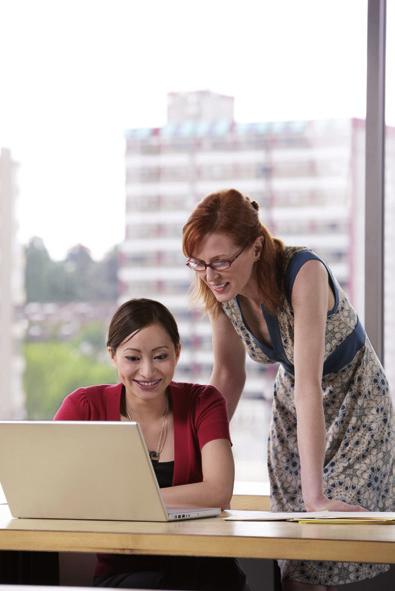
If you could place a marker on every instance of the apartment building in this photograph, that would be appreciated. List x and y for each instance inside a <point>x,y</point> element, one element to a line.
<point>302,173</point>
<point>309,179</point>
<point>11,295</point>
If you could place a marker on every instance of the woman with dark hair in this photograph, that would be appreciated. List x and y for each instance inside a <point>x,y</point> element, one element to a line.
<point>186,430</point>
<point>330,435</point>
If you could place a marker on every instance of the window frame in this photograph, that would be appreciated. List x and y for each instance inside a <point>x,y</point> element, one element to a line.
<point>374,175</point>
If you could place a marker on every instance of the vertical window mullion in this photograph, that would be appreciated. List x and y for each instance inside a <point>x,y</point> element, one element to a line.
<point>374,182</point>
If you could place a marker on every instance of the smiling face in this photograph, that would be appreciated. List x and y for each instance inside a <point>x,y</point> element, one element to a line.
<point>146,362</point>
<point>239,278</point>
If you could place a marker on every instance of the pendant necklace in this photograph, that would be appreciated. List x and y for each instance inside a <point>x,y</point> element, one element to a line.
<point>155,455</point>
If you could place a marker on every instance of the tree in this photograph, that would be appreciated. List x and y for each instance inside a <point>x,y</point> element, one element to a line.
<point>37,271</point>
<point>79,268</point>
<point>78,278</point>
<point>53,370</point>
<point>106,277</point>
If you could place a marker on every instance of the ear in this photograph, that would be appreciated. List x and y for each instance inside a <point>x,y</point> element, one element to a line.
<point>111,354</point>
<point>258,245</point>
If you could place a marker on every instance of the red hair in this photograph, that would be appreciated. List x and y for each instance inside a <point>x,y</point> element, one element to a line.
<point>231,213</point>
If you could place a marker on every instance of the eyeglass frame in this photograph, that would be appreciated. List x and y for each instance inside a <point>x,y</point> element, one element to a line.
<point>205,265</point>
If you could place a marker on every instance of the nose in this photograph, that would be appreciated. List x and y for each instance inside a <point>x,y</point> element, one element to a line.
<point>146,368</point>
<point>211,273</point>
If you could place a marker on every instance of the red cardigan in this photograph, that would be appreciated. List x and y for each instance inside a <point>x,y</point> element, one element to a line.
<point>199,416</point>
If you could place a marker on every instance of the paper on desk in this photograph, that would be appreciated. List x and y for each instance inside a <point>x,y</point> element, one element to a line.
<point>348,517</point>
<point>349,521</point>
<point>339,517</point>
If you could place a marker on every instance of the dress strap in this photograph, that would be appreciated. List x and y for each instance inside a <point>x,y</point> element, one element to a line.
<point>296,263</point>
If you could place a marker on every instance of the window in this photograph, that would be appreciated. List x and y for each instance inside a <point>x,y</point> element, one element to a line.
<point>292,137</point>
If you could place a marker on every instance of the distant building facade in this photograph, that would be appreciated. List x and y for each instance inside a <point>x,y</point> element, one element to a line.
<point>11,295</point>
<point>309,179</point>
<point>304,175</point>
<point>64,321</point>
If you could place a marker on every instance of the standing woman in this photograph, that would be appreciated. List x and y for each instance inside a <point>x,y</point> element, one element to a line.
<point>330,435</point>
<point>185,427</point>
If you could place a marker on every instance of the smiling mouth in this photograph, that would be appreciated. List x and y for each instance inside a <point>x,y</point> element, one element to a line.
<point>147,383</point>
<point>218,286</point>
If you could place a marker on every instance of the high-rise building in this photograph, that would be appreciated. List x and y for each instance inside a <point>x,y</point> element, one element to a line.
<point>307,176</point>
<point>301,174</point>
<point>11,295</point>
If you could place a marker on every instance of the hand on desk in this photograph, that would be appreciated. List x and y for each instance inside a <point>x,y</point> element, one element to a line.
<point>325,504</point>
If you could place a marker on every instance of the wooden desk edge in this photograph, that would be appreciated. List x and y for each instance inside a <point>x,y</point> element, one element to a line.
<point>198,545</point>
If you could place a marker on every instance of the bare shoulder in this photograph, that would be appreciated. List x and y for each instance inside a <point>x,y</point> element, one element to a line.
<point>310,282</point>
<point>312,271</point>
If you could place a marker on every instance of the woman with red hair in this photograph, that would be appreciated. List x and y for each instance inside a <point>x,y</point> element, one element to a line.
<point>282,305</point>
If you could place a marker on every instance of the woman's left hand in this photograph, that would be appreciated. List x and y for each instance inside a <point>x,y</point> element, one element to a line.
<point>326,504</point>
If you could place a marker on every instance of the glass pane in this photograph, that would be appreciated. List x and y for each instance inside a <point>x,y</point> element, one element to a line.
<point>267,97</point>
<point>289,131</point>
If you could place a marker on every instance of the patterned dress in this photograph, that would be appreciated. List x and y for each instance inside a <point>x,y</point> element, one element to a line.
<point>358,465</point>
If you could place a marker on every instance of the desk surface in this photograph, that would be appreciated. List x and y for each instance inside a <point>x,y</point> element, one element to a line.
<point>251,496</point>
<point>202,537</point>
<point>246,495</point>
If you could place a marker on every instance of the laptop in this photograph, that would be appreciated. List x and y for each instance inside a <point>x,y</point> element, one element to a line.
<point>82,470</point>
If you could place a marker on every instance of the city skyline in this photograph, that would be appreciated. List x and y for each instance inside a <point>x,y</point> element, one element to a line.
<point>84,79</point>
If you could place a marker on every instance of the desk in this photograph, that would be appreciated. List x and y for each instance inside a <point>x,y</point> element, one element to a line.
<point>251,496</point>
<point>202,537</point>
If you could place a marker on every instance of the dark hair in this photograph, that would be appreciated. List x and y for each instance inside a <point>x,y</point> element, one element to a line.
<point>137,314</point>
<point>231,213</point>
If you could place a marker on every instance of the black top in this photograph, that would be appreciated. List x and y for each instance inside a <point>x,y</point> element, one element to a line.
<point>164,473</point>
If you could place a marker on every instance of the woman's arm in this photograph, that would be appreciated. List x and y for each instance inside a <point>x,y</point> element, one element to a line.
<point>228,374</point>
<point>310,304</point>
<point>216,488</point>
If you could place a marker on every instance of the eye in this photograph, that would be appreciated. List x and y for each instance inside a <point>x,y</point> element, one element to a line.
<point>220,264</point>
<point>132,358</point>
<point>196,265</point>
<point>161,356</point>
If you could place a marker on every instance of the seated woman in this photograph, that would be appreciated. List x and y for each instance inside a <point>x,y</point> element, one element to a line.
<point>185,427</point>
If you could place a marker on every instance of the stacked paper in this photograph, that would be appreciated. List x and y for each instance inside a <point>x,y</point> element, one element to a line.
<point>331,517</point>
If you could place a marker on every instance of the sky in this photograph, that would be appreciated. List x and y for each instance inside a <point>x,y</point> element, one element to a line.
<point>76,74</point>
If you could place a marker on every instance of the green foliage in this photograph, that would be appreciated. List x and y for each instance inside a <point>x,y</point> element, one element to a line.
<point>53,370</point>
<point>37,270</point>
<point>78,278</point>
<point>92,339</point>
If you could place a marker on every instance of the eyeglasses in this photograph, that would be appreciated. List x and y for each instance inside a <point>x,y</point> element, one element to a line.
<point>217,265</point>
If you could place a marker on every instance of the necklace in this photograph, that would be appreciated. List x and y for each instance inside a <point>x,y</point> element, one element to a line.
<point>155,455</point>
